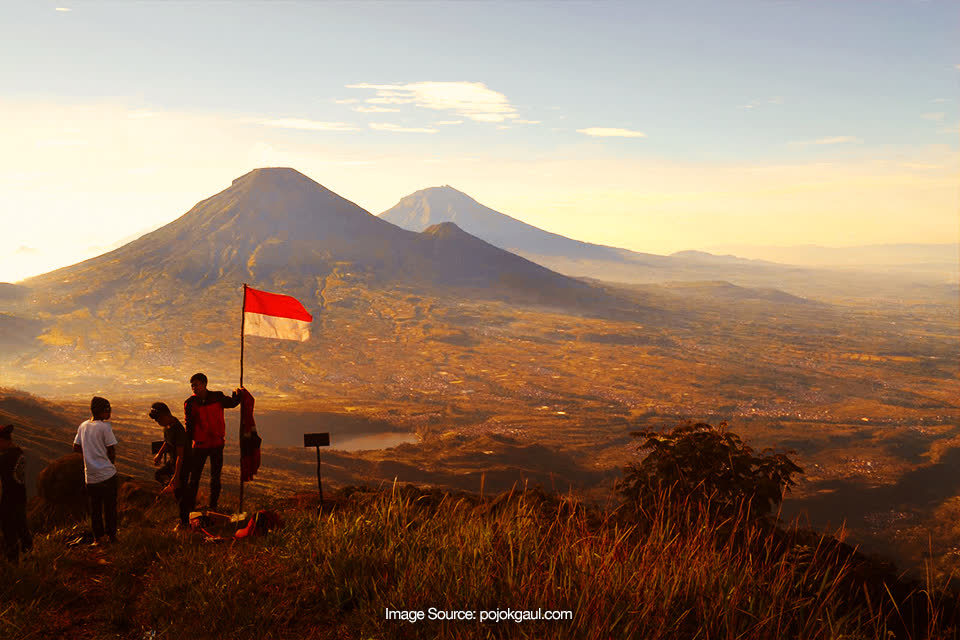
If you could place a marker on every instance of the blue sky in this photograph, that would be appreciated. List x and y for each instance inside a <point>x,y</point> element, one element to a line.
<point>657,126</point>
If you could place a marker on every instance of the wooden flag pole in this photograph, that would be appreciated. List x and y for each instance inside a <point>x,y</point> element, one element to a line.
<point>240,436</point>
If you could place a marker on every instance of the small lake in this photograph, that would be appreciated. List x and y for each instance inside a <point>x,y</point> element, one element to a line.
<point>347,432</point>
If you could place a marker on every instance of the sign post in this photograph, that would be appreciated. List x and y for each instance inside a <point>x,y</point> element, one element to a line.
<point>317,440</point>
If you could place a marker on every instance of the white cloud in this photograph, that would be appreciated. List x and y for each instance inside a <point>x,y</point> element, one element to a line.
<point>756,103</point>
<point>346,101</point>
<point>24,250</point>
<point>395,128</point>
<point>473,100</point>
<point>309,125</point>
<point>936,117</point>
<point>362,109</point>
<point>526,122</point>
<point>827,140</point>
<point>63,9</point>
<point>450,122</point>
<point>940,100</point>
<point>608,132</point>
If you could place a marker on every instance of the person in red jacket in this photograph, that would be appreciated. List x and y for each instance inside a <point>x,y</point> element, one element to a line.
<point>203,412</point>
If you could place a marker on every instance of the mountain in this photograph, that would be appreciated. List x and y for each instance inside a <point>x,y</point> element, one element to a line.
<point>136,315</point>
<point>276,227</point>
<point>436,205</point>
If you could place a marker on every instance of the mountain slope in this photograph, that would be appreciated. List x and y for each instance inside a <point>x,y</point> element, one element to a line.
<point>139,314</point>
<point>276,227</point>
<point>436,205</point>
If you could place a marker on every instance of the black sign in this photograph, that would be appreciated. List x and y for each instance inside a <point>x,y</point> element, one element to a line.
<point>316,439</point>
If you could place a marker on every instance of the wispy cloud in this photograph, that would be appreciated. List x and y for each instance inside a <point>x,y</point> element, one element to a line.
<point>24,250</point>
<point>308,125</point>
<point>346,101</point>
<point>525,121</point>
<point>609,132</point>
<point>362,109</point>
<point>827,140</point>
<point>935,117</point>
<point>395,128</point>
<point>450,122</point>
<point>63,9</point>
<point>61,142</point>
<point>757,103</point>
<point>473,100</point>
<point>920,166</point>
<point>940,100</point>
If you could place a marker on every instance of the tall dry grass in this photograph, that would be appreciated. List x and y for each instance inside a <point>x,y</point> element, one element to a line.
<point>677,571</point>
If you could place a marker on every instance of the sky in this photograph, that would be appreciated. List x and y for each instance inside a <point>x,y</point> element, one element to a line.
<point>654,126</point>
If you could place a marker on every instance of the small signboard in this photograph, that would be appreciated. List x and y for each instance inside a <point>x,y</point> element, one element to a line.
<point>317,440</point>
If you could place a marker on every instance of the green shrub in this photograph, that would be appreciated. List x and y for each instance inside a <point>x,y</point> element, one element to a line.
<point>706,464</point>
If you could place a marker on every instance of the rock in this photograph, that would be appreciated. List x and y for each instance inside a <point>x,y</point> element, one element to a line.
<point>62,481</point>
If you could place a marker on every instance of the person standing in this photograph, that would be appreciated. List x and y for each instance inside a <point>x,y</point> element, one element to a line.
<point>177,447</point>
<point>13,497</point>
<point>95,440</point>
<point>203,412</point>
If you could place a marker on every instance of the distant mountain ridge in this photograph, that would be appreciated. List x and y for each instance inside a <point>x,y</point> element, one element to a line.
<point>579,259</point>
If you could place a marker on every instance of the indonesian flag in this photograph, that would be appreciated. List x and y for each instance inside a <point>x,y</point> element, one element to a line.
<point>272,315</point>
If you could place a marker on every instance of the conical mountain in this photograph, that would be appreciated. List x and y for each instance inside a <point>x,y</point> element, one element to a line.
<point>275,227</point>
<point>268,220</point>
<point>435,205</point>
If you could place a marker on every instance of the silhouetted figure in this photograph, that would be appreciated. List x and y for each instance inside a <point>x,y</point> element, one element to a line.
<point>95,440</point>
<point>176,447</point>
<point>13,497</point>
<point>203,412</point>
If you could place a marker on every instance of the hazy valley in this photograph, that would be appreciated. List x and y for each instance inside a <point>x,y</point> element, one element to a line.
<point>494,369</point>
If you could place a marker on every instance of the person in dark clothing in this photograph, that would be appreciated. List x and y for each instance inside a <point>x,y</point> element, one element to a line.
<point>13,497</point>
<point>176,447</point>
<point>206,428</point>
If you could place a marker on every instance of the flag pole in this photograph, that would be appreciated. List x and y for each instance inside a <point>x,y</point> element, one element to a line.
<point>243,317</point>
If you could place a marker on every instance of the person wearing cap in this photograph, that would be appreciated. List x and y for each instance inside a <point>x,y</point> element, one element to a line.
<point>177,447</point>
<point>13,497</point>
<point>95,440</point>
<point>203,412</point>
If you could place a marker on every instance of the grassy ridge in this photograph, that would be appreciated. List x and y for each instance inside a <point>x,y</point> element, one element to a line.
<point>675,573</point>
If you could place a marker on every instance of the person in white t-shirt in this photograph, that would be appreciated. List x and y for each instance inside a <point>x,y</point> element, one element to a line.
<point>95,440</point>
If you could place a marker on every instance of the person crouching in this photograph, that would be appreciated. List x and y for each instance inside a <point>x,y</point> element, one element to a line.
<point>177,447</point>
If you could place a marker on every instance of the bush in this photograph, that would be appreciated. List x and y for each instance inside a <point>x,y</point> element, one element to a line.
<point>706,464</point>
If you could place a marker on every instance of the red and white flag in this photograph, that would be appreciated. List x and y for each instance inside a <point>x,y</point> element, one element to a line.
<point>272,315</point>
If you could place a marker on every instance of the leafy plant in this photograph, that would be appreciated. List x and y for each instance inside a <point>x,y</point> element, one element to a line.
<point>704,463</point>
